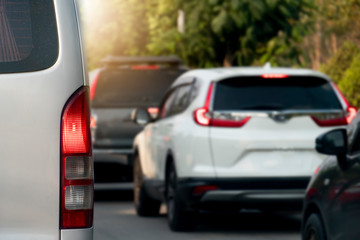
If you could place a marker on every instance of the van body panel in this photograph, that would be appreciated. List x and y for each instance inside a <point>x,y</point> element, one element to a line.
<point>30,118</point>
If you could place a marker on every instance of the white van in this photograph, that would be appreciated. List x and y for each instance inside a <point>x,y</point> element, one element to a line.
<point>46,176</point>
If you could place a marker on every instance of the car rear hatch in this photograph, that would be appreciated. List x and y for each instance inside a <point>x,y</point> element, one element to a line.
<point>119,90</point>
<point>41,67</point>
<point>266,126</point>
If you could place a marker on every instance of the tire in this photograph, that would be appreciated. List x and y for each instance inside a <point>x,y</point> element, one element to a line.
<point>178,219</point>
<point>145,206</point>
<point>314,228</point>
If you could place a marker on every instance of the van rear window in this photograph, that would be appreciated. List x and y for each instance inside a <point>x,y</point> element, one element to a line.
<point>292,93</point>
<point>28,35</point>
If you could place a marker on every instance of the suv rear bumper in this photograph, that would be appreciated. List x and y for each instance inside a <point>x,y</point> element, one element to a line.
<point>277,194</point>
<point>113,165</point>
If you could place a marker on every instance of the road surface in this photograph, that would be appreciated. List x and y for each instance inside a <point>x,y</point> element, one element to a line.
<point>115,218</point>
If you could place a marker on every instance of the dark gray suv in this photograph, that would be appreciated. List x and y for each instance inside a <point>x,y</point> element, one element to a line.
<point>332,204</point>
<point>121,85</point>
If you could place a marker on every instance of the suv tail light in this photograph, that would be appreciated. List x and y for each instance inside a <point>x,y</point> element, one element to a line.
<point>336,119</point>
<point>76,163</point>
<point>203,117</point>
<point>153,112</point>
<point>93,121</point>
<point>203,189</point>
<point>145,67</point>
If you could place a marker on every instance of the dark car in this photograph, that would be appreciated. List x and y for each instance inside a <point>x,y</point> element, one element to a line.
<point>121,85</point>
<point>332,203</point>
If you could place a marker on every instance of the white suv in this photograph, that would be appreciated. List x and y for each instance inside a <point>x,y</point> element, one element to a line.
<point>234,138</point>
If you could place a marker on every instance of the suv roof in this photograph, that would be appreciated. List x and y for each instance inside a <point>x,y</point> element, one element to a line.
<point>169,61</point>
<point>217,74</point>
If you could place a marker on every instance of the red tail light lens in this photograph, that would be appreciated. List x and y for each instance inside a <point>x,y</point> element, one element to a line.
<point>351,114</point>
<point>329,120</point>
<point>203,118</point>
<point>275,75</point>
<point>145,67</point>
<point>93,121</point>
<point>334,119</point>
<point>203,189</point>
<point>93,86</point>
<point>229,123</point>
<point>317,170</point>
<point>153,112</point>
<point>76,166</point>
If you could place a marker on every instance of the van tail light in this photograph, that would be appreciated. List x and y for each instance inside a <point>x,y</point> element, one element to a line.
<point>77,187</point>
<point>336,119</point>
<point>203,117</point>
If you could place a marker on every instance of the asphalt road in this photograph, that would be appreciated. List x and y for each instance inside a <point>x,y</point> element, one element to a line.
<point>115,218</point>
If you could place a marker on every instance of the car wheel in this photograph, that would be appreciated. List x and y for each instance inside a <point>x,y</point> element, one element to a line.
<point>314,229</point>
<point>178,219</point>
<point>144,204</point>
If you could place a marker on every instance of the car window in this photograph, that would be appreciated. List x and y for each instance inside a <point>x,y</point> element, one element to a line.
<point>294,93</point>
<point>28,37</point>
<point>167,104</point>
<point>132,88</point>
<point>182,99</point>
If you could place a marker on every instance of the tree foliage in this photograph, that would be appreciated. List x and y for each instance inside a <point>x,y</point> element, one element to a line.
<point>231,32</point>
<point>341,61</point>
<point>114,27</point>
<point>350,84</point>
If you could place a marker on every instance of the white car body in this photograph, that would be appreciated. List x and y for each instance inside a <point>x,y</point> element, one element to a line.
<point>219,144</point>
<point>261,148</point>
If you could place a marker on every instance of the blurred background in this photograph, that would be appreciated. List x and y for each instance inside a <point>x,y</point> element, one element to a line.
<point>319,34</point>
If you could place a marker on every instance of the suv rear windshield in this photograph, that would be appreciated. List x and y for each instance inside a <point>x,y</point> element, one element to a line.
<point>28,35</point>
<point>292,93</point>
<point>133,88</point>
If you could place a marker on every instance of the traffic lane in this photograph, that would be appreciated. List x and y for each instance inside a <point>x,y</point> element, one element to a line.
<point>115,218</point>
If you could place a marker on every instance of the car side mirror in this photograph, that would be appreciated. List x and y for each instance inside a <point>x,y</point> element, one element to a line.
<point>332,143</point>
<point>140,116</point>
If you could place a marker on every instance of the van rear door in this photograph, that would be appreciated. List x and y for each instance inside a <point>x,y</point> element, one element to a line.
<point>40,69</point>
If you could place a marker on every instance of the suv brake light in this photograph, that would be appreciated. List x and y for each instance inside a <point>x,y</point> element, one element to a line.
<point>275,75</point>
<point>203,117</point>
<point>334,119</point>
<point>145,67</point>
<point>76,163</point>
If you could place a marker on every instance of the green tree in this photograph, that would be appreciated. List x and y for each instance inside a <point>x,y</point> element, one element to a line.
<point>333,22</point>
<point>114,27</point>
<point>223,32</point>
<point>340,61</point>
<point>350,84</point>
